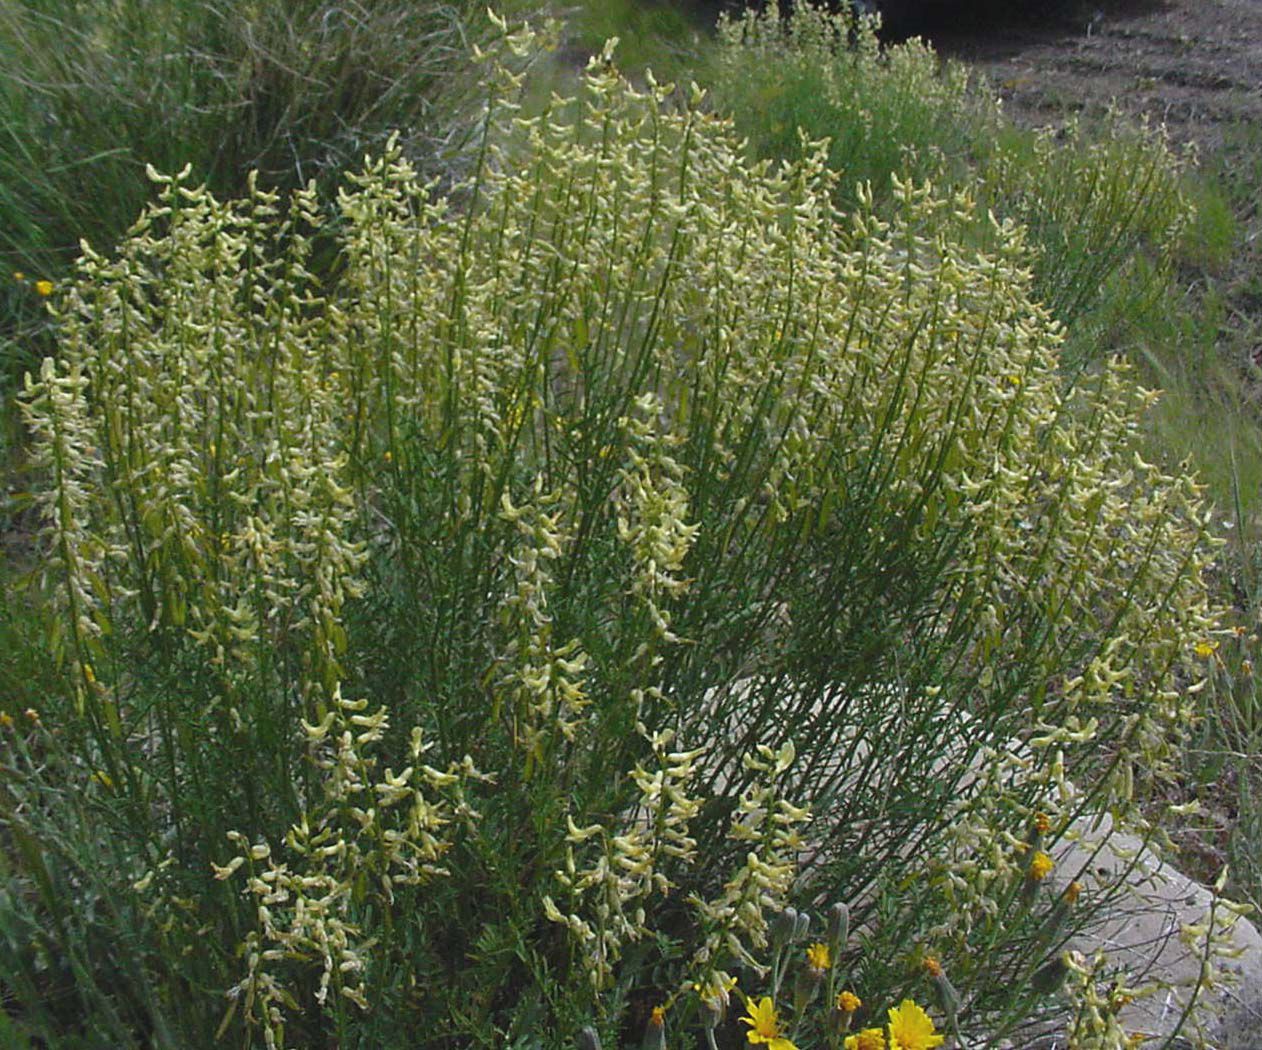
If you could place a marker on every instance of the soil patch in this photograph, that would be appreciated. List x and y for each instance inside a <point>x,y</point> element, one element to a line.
<point>1193,65</point>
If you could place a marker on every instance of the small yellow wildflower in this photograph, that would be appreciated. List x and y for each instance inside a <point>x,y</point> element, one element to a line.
<point>1042,823</point>
<point>19,276</point>
<point>6,720</point>
<point>1040,865</point>
<point>818,957</point>
<point>655,1030</point>
<point>764,1025</point>
<point>1206,649</point>
<point>932,967</point>
<point>387,456</point>
<point>910,1028</point>
<point>868,1039</point>
<point>1072,891</point>
<point>848,1002</point>
<point>44,288</point>
<point>32,715</point>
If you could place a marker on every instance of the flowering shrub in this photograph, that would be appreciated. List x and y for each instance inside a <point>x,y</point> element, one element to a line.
<point>711,550</point>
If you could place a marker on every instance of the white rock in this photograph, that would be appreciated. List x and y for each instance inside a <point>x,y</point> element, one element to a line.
<point>1141,933</point>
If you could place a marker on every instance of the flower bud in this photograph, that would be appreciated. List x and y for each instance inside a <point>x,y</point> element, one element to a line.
<point>783,927</point>
<point>655,1030</point>
<point>802,927</point>
<point>838,927</point>
<point>948,997</point>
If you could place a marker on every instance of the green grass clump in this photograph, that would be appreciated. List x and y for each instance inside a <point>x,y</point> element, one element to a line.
<point>501,644</point>
<point>91,92</point>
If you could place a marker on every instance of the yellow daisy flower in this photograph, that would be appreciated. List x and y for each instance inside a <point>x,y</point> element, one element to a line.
<point>764,1025</point>
<point>848,1002</point>
<point>910,1028</point>
<point>1040,865</point>
<point>818,957</point>
<point>868,1039</point>
<point>44,288</point>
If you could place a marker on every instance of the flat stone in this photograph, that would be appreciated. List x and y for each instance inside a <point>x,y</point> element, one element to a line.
<point>1140,932</point>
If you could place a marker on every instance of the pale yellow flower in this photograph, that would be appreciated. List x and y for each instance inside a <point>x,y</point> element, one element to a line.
<point>44,288</point>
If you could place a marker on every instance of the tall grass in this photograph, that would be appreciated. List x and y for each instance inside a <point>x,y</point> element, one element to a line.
<point>91,92</point>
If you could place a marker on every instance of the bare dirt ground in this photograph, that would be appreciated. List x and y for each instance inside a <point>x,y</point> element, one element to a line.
<point>1194,65</point>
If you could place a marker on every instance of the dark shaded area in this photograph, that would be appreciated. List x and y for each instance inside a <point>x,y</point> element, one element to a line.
<point>934,18</point>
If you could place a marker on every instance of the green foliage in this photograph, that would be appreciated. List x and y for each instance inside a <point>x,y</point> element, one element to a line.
<point>462,656</point>
<point>92,91</point>
<point>1098,202</point>
<point>660,34</point>
<point>789,81</point>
